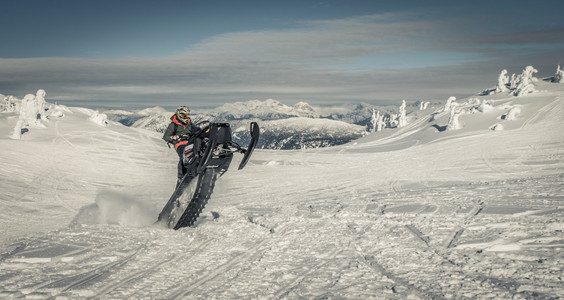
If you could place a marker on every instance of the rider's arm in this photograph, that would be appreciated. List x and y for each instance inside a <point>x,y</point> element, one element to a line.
<point>169,134</point>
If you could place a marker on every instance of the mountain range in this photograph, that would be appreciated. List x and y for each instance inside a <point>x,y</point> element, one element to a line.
<point>284,127</point>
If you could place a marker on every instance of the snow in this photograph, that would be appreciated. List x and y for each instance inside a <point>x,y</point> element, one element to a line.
<point>267,109</point>
<point>98,118</point>
<point>414,212</point>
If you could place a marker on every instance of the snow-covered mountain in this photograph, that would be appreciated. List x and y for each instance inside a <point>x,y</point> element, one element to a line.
<point>300,133</point>
<point>264,110</point>
<point>465,201</point>
<point>283,127</point>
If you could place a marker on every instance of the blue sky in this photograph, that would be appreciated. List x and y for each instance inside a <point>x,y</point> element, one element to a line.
<point>134,54</point>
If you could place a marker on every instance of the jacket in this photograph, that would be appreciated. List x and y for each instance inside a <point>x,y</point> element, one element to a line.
<point>176,127</point>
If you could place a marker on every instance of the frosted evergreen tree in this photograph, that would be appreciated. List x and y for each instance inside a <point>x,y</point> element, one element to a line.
<point>424,105</point>
<point>98,118</point>
<point>559,76</point>
<point>525,83</point>
<point>40,104</point>
<point>449,103</point>
<point>512,113</point>
<point>17,134</point>
<point>502,82</point>
<point>381,123</point>
<point>453,123</point>
<point>402,122</point>
<point>9,103</point>
<point>374,121</point>
<point>485,106</point>
<point>31,110</point>
<point>377,122</point>
<point>513,81</point>
<point>392,120</point>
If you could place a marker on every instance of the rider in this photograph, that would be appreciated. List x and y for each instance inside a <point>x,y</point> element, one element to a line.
<point>179,133</point>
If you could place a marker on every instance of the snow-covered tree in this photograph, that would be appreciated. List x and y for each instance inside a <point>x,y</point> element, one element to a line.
<point>512,113</point>
<point>525,82</point>
<point>98,118</point>
<point>485,106</point>
<point>377,122</point>
<point>32,108</point>
<point>18,129</point>
<point>502,82</point>
<point>424,105</point>
<point>402,121</point>
<point>380,122</point>
<point>31,111</point>
<point>40,103</point>
<point>374,120</point>
<point>453,123</point>
<point>392,120</point>
<point>513,81</point>
<point>9,103</point>
<point>559,76</point>
<point>449,103</point>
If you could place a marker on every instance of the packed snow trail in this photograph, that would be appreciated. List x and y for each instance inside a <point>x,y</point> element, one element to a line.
<point>472,213</point>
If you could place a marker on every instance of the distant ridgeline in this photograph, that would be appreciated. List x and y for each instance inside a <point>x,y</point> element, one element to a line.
<point>304,126</point>
<point>300,126</point>
<point>283,127</point>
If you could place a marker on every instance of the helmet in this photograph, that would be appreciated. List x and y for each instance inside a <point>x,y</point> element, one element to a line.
<point>183,113</point>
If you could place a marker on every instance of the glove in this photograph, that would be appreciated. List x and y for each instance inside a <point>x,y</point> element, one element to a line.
<point>175,138</point>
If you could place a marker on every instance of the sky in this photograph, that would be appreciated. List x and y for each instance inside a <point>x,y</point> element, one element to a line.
<point>137,54</point>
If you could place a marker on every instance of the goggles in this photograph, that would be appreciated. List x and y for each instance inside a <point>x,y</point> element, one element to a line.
<point>184,116</point>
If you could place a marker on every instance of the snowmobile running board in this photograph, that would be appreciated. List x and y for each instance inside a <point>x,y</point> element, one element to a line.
<point>195,188</point>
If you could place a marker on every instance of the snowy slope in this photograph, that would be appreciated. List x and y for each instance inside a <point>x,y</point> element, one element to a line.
<point>417,212</point>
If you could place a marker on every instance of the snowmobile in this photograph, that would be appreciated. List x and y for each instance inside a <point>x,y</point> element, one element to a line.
<point>208,158</point>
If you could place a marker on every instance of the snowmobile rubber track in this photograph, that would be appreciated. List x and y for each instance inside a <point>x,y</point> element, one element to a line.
<point>206,184</point>
<point>168,208</point>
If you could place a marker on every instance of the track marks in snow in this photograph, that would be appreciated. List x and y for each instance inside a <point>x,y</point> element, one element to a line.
<point>132,277</point>
<point>338,247</point>
<point>457,233</point>
<point>292,286</point>
<point>88,278</point>
<point>418,234</point>
<point>238,261</point>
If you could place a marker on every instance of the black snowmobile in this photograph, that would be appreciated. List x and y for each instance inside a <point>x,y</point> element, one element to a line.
<point>212,154</point>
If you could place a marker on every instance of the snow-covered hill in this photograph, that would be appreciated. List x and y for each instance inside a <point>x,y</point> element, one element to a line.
<point>463,202</point>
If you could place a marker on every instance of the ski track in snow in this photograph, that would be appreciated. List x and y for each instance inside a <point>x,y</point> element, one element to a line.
<point>441,219</point>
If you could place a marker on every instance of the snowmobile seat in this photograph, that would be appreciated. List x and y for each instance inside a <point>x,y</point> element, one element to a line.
<point>223,134</point>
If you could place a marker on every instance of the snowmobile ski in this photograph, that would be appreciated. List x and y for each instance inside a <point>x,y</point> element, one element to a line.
<point>195,189</point>
<point>255,133</point>
<point>212,142</point>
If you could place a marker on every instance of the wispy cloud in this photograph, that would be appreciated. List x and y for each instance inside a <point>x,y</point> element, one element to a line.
<point>320,61</point>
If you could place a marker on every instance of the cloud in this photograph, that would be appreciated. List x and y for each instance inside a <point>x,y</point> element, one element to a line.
<point>353,59</point>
